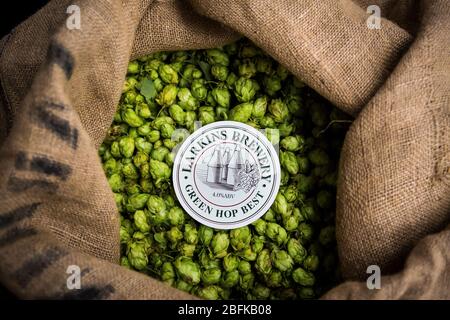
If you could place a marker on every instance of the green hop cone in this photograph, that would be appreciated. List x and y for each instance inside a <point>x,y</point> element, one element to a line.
<point>240,238</point>
<point>309,212</point>
<point>241,112</point>
<point>303,277</point>
<point>279,110</point>
<point>159,171</point>
<point>137,201</point>
<point>261,292</point>
<point>205,260</point>
<point>176,216</point>
<point>156,205</point>
<point>131,118</point>
<point>124,235</point>
<point>116,183</point>
<point>311,262</point>
<point>126,145</point>
<point>137,255</point>
<point>247,69</point>
<point>274,279</point>
<point>247,254</point>
<point>296,250</point>
<point>211,276</point>
<point>230,279</point>
<point>230,262</point>
<point>168,74</point>
<point>187,100</point>
<point>159,153</point>
<point>269,216</point>
<point>245,89</point>
<point>260,226</point>
<point>205,235</point>
<point>219,72</point>
<point>267,122</point>
<point>306,231</point>
<point>246,281</point>
<point>140,220</point>
<point>293,143</point>
<point>198,90</point>
<point>257,243</point>
<point>276,233</point>
<point>221,96</point>
<point>280,205</point>
<point>209,293</point>
<point>140,158</point>
<point>161,240</point>
<point>153,136</point>
<point>281,260</point>
<point>263,262</point>
<point>206,115</point>
<point>289,162</point>
<point>290,223</point>
<point>124,262</point>
<point>167,96</point>
<point>219,244</point>
<point>168,273</point>
<point>272,85</point>
<point>187,270</point>
<point>259,107</point>
<point>177,113</point>
<point>244,267</point>
<point>120,201</point>
<point>183,285</point>
<point>129,171</point>
<point>286,129</point>
<point>291,193</point>
<point>186,249</point>
<point>142,145</point>
<point>190,234</point>
<point>216,56</point>
<point>133,67</point>
<point>167,130</point>
<point>264,65</point>
<point>174,235</point>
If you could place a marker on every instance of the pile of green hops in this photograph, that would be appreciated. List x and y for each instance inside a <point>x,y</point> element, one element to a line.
<point>290,253</point>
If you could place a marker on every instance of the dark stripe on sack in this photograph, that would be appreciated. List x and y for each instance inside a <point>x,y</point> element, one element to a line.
<point>21,162</point>
<point>18,214</point>
<point>57,125</point>
<point>16,184</point>
<point>16,234</point>
<point>42,164</point>
<point>89,293</point>
<point>50,167</point>
<point>62,57</point>
<point>37,265</point>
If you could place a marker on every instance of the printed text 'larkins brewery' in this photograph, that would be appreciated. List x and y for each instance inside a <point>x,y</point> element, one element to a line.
<point>226,174</point>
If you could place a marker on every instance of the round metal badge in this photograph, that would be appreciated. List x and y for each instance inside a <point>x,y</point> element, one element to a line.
<point>226,175</point>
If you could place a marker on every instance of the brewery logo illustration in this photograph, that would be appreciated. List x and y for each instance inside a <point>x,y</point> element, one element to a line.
<point>226,174</point>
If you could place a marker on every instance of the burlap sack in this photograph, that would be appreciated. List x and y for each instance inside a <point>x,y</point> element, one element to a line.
<point>60,88</point>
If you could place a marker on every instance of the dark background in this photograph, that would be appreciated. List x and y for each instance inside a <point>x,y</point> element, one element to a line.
<point>14,12</point>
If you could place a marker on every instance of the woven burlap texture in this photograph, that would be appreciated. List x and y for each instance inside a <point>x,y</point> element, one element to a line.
<point>60,88</point>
